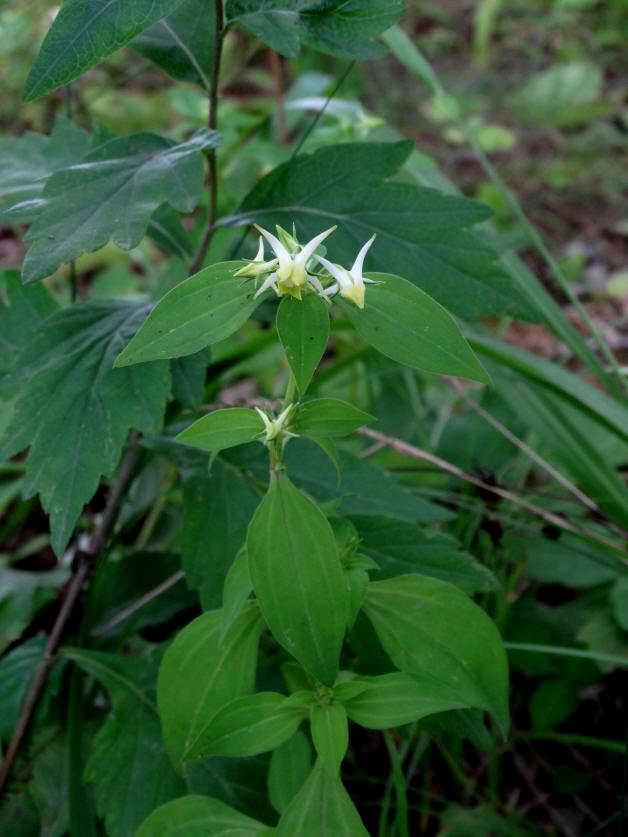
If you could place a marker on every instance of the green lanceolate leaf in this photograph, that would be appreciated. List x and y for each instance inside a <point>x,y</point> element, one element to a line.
<point>321,807</point>
<point>85,31</point>
<point>237,589</point>
<point>182,44</point>
<point>297,577</point>
<point>290,765</point>
<point>433,631</point>
<point>248,726</point>
<point>202,310</point>
<point>330,733</point>
<point>303,328</point>
<point>27,162</point>
<point>407,325</point>
<point>422,234</point>
<point>199,675</point>
<point>328,418</point>
<point>223,429</point>
<point>390,700</point>
<point>337,27</point>
<point>75,411</point>
<point>111,194</point>
<point>198,816</point>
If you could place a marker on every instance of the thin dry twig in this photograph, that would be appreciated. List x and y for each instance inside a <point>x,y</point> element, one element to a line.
<point>86,561</point>
<point>413,452</point>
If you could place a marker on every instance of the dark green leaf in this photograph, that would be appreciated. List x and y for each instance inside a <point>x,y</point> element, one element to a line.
<point>321,807</point>
<point>27,162</point>
<point>235,781</point>
<point>188,378</point>
<point>83,32</point>
<point>390,700</point>
<point>290,765</point>
<point>16,673</point>
<point>222,429</point>
<point>248,726</point>
<point>22,310</point>
<point>345,28</point>
<point>328,417</point>
<point>619,602</point>
<point>202,310</point>
<point>433,631</point>
<point>130,767</point>
<point>75,411</point>
<point>237,589</point>
<point>551,703</point>
<point>297,577</point>
<point>199,675</point>
<point>198,816</point>
<point>303,328</point>
<point>182,44</point>
<point>22,594</point>
<point>408,326</point>
<point>166,230</point>
<point>422,234</point>
<point>217,511</point>
<point>112,195</point>
<point>330,733</point>
<point>400,547</point>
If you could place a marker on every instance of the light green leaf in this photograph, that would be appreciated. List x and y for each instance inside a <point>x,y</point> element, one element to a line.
<point>290,765</point>
<point>303,328</point>
<point>111,194</point>
<point>321,807</point>
<point>433,631</point>
<point>237,589</point>
<point>27,162</point>
<point>217,510</point>
<point>330,733</point>
<point>344,28</point>
<point>182,44</point>
<point>297,577</point>
<point>83,32</point>
<point>407,325</point>
<point>357,582</point>
<point>198,816</point>
<point>422,234</point>
<point>190,692</point>
<point>222,429</point>
<point>328,417</point>
<point>202,310</point>
<point>75,411</point>
<point>390,700</point>
<point>248,726</point>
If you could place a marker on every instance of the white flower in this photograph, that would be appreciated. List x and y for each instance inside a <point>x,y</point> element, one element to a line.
<point>275,427</point>
<point>349,282</point>
<point>257,266</point>
<point>291,275</point>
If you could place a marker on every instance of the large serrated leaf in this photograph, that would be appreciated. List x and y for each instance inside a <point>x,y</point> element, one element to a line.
<point>345,28</point>
<point>202,310</point>
<point>75,411</point>
<point>433,631</point>
<point>182,44</point>
<point>111,194</point>
<point>198,816</point>
<point>22,310</point>
<point>27,162</point>
<point>199,674</point>
<point>297,577</point>
<point>422,234</point>
<point>83,32</point>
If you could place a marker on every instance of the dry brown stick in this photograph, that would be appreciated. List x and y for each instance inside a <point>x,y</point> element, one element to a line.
<point>86,561</point>
<point>418,453</point>
<point>540,461</point>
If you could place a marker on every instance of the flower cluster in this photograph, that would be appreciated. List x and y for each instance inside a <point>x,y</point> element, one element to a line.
<point>291,269</point>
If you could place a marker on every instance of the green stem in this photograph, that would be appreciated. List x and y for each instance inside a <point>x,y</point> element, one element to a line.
<point>399,781</point>
<point>568,738</point>
<point>210,221</point>
<point>291,389</point>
